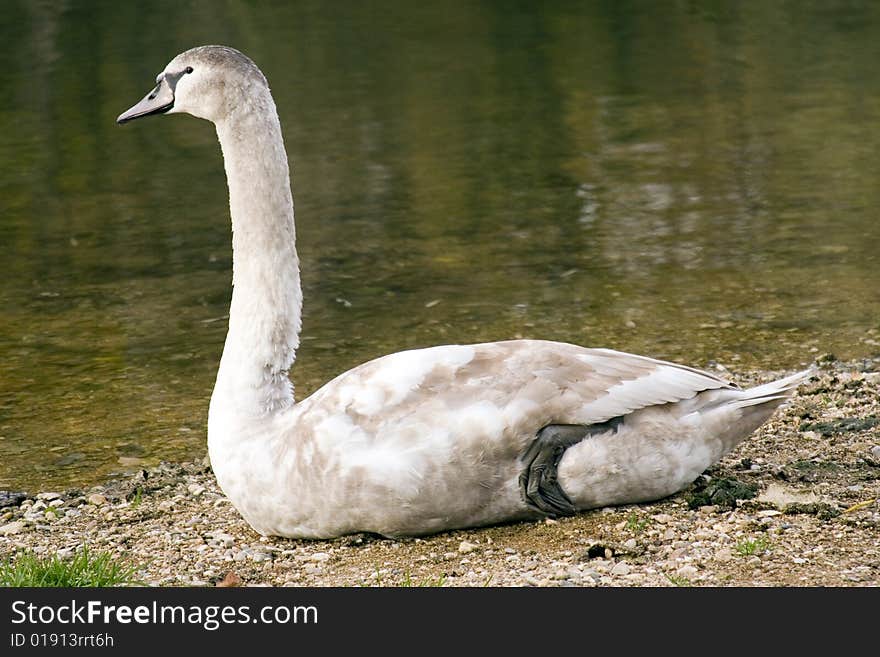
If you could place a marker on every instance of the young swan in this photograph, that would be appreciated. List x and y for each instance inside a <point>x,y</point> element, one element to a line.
<point>431,439</point>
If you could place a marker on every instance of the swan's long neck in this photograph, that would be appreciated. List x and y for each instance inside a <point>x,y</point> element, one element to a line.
<point>264,316</point>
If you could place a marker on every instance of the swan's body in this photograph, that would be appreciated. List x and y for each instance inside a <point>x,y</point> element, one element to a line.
<point>431,439</point>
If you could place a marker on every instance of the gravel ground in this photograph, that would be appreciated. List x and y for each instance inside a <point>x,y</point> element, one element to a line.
<point>797,504</point>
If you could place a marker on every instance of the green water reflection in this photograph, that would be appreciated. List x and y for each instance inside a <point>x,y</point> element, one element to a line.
<point>694,181</point>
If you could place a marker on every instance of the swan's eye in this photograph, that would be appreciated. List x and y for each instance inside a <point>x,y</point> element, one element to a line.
<point>188,69</point>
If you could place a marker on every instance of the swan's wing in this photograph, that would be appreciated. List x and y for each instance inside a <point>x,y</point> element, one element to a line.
<point>525,384</point>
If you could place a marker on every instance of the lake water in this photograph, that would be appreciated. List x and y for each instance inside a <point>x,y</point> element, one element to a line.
<point>688,180</point>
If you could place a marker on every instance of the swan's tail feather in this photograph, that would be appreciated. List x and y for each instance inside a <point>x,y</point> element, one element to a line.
<point>732,415</point>
<point>773,393</point>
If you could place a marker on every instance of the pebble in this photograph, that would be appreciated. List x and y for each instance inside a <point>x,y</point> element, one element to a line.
<point>195,489</point>
<point>620,569</point>
<point>11,498</point>
<point>15,527</point>
<point>466,547</point>
<point>319,556</point>
<point>687,571</point>
<point>97,499</point>
<point>48,496</point>
<point>875,452</point>
<point>723,555</point>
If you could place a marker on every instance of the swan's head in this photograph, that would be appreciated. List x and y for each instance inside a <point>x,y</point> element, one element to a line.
<point>208,82</point>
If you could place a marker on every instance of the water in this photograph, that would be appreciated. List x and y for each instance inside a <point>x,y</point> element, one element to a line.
<point>693,181</point>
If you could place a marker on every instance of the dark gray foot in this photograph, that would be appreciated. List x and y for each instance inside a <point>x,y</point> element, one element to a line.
<point>538,481</point>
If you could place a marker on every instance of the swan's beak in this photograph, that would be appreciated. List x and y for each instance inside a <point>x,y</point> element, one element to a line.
<point>158,101</point>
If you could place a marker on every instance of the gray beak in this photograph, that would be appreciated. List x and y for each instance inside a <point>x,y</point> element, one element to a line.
<point>158,101</point>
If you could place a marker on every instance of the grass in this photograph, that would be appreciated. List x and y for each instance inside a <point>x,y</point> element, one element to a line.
<point>137,498</point>
<point>747,547</point>
<point>407,581</point>
<point>677,580</point>
<point>636,523</point>
<point>83,568</point>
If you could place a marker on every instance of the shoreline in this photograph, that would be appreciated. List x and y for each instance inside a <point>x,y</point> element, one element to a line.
<point>796,504</point>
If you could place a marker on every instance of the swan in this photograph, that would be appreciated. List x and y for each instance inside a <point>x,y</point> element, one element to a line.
<point>423,440</point>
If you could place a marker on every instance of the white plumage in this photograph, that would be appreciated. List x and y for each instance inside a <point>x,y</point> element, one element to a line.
<point>423,440</point>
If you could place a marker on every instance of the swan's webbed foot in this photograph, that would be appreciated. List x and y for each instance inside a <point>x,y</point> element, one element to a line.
<point>538,482</point>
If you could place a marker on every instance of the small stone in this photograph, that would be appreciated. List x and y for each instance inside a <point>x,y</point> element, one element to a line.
<point>319,556</point>
<point>769,513</point>
<point>231,580</point>
<point>509,551</point>
<point>662,518</point>
<point>11,498</point>
<point>687,571</point>
<point>620,569</point>
<point>51,515</point>
<point>875,452</point>
<point>48,496</point>
<point>723,555</point>
<point>97,499</point>
<point>12,528</point>
<point>195,489</point>
<point>630,544</point>
<point>466,547</point>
